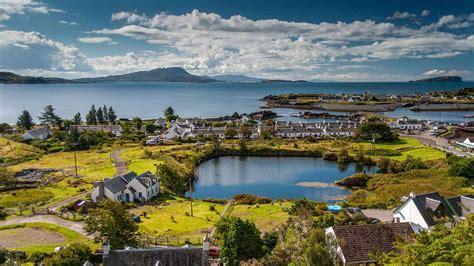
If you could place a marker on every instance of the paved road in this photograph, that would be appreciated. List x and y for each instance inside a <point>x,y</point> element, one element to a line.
<point>436,142</point>
<point>51,219</point>
<point>120,163</point>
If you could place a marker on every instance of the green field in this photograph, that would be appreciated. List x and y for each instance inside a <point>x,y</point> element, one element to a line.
<point>172,218</point>
<point>42,237</point>
<point>265,216</point>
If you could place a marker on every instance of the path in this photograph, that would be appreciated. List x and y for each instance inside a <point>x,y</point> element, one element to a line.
<point>223,213</point>
<point>51,219</point>
<point>120,163</point>
<point>56,206</point>
<point>436,142</point>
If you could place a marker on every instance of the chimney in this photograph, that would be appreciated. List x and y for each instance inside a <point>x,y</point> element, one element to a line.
<point>412,194</point>
<point>105,245</point>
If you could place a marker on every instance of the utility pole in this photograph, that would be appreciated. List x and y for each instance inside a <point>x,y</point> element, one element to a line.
<point>75,158</point>
<point>191,194</point>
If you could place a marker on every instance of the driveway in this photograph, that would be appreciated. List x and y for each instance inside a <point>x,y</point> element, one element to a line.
<point>383,215</point>
<point>51,219</point>
<point>120,163</point>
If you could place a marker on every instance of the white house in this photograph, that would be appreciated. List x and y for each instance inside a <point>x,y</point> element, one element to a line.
<point>424,211</point>
<point>41,133</point>
<point>404,123</point>
<point>127,188</point>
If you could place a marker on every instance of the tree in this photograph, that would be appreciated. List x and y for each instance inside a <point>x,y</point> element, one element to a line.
<point>462,167</point>
<point>4,127</point>
<point>171,180</point>
<point>25,121</point>
<point>245,132</point>
<point>230,133</point>
<point>239,240</point>
<point>137,123</point>
<point>169,114</point>
<point>111,219</point>
<point>150,128</point>
<point>100,116</point>
<point>77,120</point>
<point>452,246</point>
<point>377,130</point>
<point>111,115</point>
<point>91,117</point>
<point>75,254</point>
<point>49,117</point>
<point>106,114</point>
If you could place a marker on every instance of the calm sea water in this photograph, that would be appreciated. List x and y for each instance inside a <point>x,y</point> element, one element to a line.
<point>274,177</point>
<point>148,100</point>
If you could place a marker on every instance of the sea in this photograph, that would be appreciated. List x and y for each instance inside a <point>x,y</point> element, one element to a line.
<point>148,100</point>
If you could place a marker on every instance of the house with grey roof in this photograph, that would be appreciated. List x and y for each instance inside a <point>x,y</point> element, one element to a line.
<point>127,188</point>
<point>358,244</point>
<point>41,133</point>
<point>425,211</point>
<point>113,129</point>
<point>462,205</point>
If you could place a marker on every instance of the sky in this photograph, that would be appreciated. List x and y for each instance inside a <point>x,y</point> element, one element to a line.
<point>312,40</point>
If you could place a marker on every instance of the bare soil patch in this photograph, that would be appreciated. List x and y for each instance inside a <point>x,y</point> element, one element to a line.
<point>23,237</point>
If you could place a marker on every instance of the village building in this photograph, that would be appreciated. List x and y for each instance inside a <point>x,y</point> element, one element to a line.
<point>404,123</point>
<point>127,188</point>
<point>357,244</point>
<point>467,146</point>
<point>462,205</point>
<point>424,211</point>
<point>41,133</point>
<point>115,130</point>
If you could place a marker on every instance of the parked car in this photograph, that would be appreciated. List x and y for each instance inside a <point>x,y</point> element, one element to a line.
<point>214,252</point>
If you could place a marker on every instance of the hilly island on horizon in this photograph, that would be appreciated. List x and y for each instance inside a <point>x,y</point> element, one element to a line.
<point>204,133</point>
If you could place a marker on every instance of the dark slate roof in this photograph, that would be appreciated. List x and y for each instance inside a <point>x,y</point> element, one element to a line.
<point>115,184</point>
<point>39,131</point>
<point>147,179</point>
<point>357,242</point>
<point>431,205</point>
<point>172,256</point>
<point>462,205</point>
<point>129,176</point>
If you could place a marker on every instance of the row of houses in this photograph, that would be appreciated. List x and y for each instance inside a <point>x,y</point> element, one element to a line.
<point>283,129</point>
<point>356,244</point>
<point>44,132</point>
<point>405,123</point>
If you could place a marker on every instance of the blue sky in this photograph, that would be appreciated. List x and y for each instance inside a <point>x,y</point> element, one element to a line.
<point>327,40</point>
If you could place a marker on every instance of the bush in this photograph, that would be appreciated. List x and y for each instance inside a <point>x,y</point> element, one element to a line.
<point>461,167</point>
<point>330,156</point>
<point>250,199</point>
<point>75,254</point>
<point>383,152</point>
<point>212,208</point>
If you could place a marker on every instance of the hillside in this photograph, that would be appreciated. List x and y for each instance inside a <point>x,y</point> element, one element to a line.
<point>11,78</point>
<point>171,74</point>
<point>441,79</point>
<point>236,78</point>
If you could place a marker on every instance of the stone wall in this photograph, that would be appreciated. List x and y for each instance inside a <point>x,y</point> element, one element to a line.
<point>149,257</point>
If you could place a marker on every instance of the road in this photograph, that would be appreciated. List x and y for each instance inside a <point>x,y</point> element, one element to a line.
<point>120,163</point>
<point>437,142</point>
<point>51,219</point>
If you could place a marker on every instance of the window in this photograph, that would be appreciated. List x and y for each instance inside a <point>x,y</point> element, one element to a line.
<point>140,195</point>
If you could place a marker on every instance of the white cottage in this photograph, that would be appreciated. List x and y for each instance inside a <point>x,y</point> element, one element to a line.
<point>127,188</point>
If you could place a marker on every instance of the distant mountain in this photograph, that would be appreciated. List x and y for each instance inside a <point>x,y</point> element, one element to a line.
<point>236,78</point>
<point>171,74</point>
<point>441,79</point>
<point>11,78</point>
<point>280,80</point>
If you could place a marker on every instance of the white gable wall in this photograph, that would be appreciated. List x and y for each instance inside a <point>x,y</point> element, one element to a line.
<point>410,213</point>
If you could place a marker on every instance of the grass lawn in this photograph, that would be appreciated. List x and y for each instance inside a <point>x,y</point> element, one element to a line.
<point>42,237</point>
<point>13,151</point>
<point>171,218</point>
<point>64,159</point>
<point>408,146</point>
<point>265,216</point>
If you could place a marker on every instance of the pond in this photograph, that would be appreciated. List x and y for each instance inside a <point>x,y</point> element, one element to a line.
<point>274,177</point>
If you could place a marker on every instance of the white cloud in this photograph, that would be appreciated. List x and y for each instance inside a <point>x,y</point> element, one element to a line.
<point>95,40</point>
<point>38,51</point>
<point>72,23</point>
<point>425,13</point>
<point>453,72</point>
<point>434,72</point>
<point>401,15</point>
<point>12,7</point>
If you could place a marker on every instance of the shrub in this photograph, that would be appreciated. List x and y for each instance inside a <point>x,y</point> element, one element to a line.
<point>212,208</point>
<point>250,199</point>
